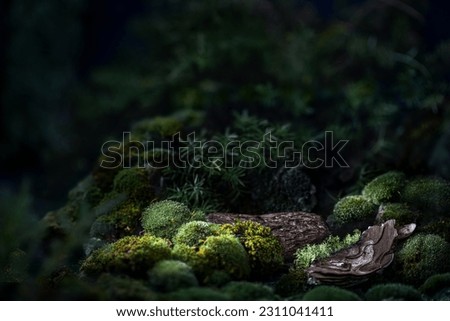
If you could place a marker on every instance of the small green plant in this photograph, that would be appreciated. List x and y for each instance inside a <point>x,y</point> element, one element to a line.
<point>400,212</point>
<point>195,233</point>
<point>435,283</point>
<point>264,249</point>
<point>311,252</point>
<point>133,255</point>
<point>330,293</point>
<point>422,256</point>
<point>385,188</point>
<point>353,208</point>
<point>393,291</point>
<point>431,195</point>
<point>171,275</point>
<point>165,217</point>
<point>248,291</point>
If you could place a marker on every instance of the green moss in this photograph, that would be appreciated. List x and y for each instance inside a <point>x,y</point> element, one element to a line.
<point>311,252</point>
<point>435,283</point>
<point>217,279</point>
<point>225,252</point>
<point>133,255</point>
<point>292,283</point>
<point>330,293</point>
<point>431,195</point>
<point>400,212</point>
<point>247,291</point>
<point>171,275</point>
<point>124,289</point>
<point>187,254</point>
<point>197,294</point>
<point>422,256</point>
<point>353,208</point>
<point>162,126</point>
<point>164,218</point>
<point>393,292</point>
<point>385,188</point>
<point>134,182</point>
<point>263,248</point>
<point>195,233</point>
<point>439,227</point>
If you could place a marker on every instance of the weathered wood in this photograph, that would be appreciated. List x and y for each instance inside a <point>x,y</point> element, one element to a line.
<point>354,265</point>
<point>293,229</point>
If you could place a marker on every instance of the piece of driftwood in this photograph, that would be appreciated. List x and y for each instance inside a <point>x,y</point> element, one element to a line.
<point>355,264</point>
<point>293,229</point>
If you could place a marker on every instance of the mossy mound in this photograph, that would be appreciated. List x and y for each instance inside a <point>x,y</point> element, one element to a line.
<point>134,182</point>
<point>393,292</point>
<point>435,283</point>
<point>195,233</point>
<point>400,212</point>
<point>248,291</point>
<point>171,275</point>
<point>124,289</point>
<point>385,188</point>
<point>353,208</point>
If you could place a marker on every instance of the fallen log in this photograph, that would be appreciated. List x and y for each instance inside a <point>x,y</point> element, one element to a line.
<point>293,229</point>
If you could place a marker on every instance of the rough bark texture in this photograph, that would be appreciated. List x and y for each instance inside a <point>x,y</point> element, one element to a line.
<point>355,264</point>
<point>293,229</point>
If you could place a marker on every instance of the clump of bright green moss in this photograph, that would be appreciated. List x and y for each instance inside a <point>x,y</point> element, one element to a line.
<point>264,249</point>
<point>133,255</point>
<point>422,256</point>
<point>429,194</point>
<point>164,218</point>
<point>385,188</point>
<point>400,212</point>
<point>353,208</point>
<point>330,293</point>
<point>134,182</point>
<point>195,233</point>
<point>171,275</point>
<point>311,252</point>
<point>393,291</point>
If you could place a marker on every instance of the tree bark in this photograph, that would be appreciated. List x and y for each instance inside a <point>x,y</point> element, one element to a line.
<point>293,229</point>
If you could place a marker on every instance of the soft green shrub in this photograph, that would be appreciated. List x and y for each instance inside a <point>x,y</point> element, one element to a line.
<point>400,212</point>
<point>435,283</point>
<point>432,195</point>
<point>195,233</point>
<point>353,208</point>
<point>311,252</point>
<point>164,218</point>
<point>264,249</point>
<point>133,255</point>
<point>393,292</point>
<point>248,291</point>
<point>330,293</point>
<point>385,188</point>
<point>171,275</point>
<point>422,256</point>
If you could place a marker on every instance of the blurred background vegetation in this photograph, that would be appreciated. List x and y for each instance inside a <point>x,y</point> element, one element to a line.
<point>76,73</point>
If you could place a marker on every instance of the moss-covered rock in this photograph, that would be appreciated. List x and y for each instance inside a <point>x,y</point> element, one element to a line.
<point>393,292</point>
<point>195,233</point>
<point>385,188</point>
<point>353,208</point>
<point>429,194</point>
<point>400,212</point>
<point>435,284</point>
<point>330,293</point>
<point>164,218</point>
<point>248,291</point>
<point>133,255</point>
<point>422,256</point>
<point>124,288</point>
<point>172,275</point>
<point>263,248</point>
